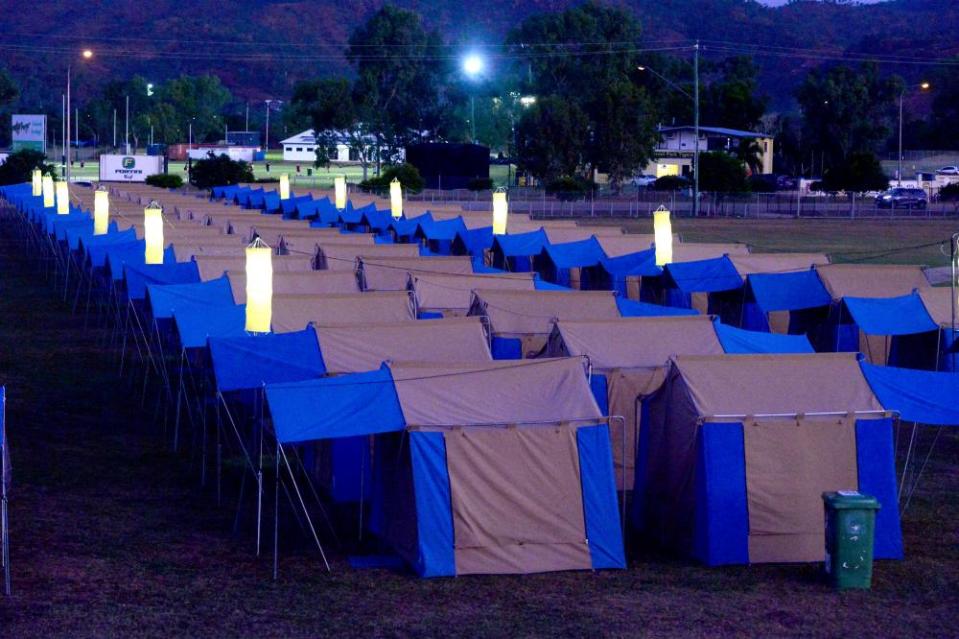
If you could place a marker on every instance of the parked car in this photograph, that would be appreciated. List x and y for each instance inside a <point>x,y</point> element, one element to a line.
<point>902,198</point>
<point>643,181</point>
<point>948,170</point>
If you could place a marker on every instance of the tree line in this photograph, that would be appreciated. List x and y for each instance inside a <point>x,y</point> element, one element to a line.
<point>567,95</point>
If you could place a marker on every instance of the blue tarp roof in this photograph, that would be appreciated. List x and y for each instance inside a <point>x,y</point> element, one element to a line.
<point>195,323</point>
<point>343,406</point>
<point>788,291</point>
<point>903,315</point>
<point>250,361</point>
<point>442,229</point>
<point>407,226</point>
<point>738,341</point>
<point>119,256</point>
<point>632,308</point>
<point>478,240</point>
<point>378,220</point>
<point>705,276</point>
<point>641,263</point>
<point>521,244</point>
<point>139,275</point>
<point>97,246</point>
<point>919,396</point>
<point>166,298</point>
<point>289,206</point>
<point>576,254</point>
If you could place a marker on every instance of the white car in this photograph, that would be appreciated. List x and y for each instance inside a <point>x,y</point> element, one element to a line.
<point>643,181</point>
<point>948,170</point>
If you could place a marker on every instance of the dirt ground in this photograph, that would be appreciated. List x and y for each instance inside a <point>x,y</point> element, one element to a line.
<point>113,536</point>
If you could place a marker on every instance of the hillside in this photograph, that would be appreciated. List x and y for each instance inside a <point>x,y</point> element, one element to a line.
<point>260,47</point>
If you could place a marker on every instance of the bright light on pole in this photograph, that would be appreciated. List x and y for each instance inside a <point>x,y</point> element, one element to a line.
<point>473,65</point>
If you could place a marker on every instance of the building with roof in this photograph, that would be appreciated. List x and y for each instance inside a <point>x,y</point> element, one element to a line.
<point>674,153</point>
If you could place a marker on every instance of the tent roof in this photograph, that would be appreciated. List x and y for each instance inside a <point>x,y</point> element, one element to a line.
<point>342,257</point>
<point>250,361</point>
<point>298,283</point>
<point>634,308</point>
<point>393,273</point>
<point>548,390</point>
<point>693,251</point>
<point>564,234</point>
<point>788,291</point>
<point>776,384</point>
<point>919,396</point>
<point>575,254</point>
<point>938,303</point>
<point>164,299</point>
<point>712,275</point>
<point>515,244</point>
<point>617,245</point>
<point>776,262</point>
<point>293,312</point>
<point>871,280</point>
<point>639,341</point>
<point>521,312</point>
<point>454,292</point>
<point>214,266</point>
<point>738,341</point>
<point>363,347</point>
<point>903,315</point>
<point>640,263</point>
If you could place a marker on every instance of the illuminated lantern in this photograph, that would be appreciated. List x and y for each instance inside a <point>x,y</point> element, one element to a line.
<point>339,188</point>
<point>259,287</point>
<point>63,198</point>
<point>500,212</point>
<point>101,211</point>
<point>663,232</point>
<point>284,187</point>
<point>47,191</point>
<point>396,199</point>
<point>37,183</point>
<point>153,233</point>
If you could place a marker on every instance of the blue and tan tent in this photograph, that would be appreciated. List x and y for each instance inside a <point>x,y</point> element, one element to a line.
<point>464,485</point>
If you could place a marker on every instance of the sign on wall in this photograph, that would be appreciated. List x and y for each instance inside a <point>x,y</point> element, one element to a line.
<point>129,168</point>
<point>28,132</point>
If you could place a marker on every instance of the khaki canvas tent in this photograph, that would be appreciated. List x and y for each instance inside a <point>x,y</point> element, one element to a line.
<point>343,257</point>
<point>213,266</point>
<point>393,273</point>
<point>628,357</point>
<point>450,295</point>
<point>736,452</point>
<point>294,312</point>
<point>299,283</point>
<point>521,321</point>
<point>466,485</point>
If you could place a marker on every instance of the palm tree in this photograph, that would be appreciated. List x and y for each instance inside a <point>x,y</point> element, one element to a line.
<point>750,153</point>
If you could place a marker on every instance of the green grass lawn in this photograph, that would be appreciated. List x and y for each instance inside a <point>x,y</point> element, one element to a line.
<point>113,535</point>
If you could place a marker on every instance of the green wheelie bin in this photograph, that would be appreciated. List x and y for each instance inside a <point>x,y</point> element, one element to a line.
<point>850,529</point>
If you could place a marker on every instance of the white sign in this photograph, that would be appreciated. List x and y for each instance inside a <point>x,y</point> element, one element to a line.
<point>29,132</point>
<point>3,157</point>
<point>129,168</point>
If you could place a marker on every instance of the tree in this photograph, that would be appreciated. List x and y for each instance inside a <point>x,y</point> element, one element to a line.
<point>847,111</point>
<point>551,138</point>
<point>731,100</point>
<point>219,170</point>
<point>860,172</point>
<point>397,92</point>
<point>9,91</point>
<point>585,58</point>
<point>19,167</point>
<point>327,107</point>
<point>721,173</point>
<point>626,135</point>
<point>749,153</point>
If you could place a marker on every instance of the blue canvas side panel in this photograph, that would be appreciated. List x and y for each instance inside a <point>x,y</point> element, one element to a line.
<point>677,298</point>
<point>877,477</point>
<point>434,515</point>
<point>637,513</point>
<point>507,348</point>
<point>599,497</point>
<point>949,351</point>
<point>754,319</point>
<point>428,315</point>
<point>721,535</point>
<point>351,469</point>
<point>598,385</point>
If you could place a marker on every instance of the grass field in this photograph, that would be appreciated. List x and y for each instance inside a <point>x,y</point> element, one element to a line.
<point>112,535</point>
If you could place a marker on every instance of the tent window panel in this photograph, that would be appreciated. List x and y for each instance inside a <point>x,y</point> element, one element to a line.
<point>517,500</point>
<point>788,467</point>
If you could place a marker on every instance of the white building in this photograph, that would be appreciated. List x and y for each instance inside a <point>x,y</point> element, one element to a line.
<point>674,153</point>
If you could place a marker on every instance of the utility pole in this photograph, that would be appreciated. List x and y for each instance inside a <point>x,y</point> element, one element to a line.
<point>247,116</point>
<point>114,130</point>
<point>899,155</point>
<point>126,133</point>
<point>63,132</point>
<point>66,139</point>
<point>266,146</point>
<point>76,129</point>
<point>696,129</point>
